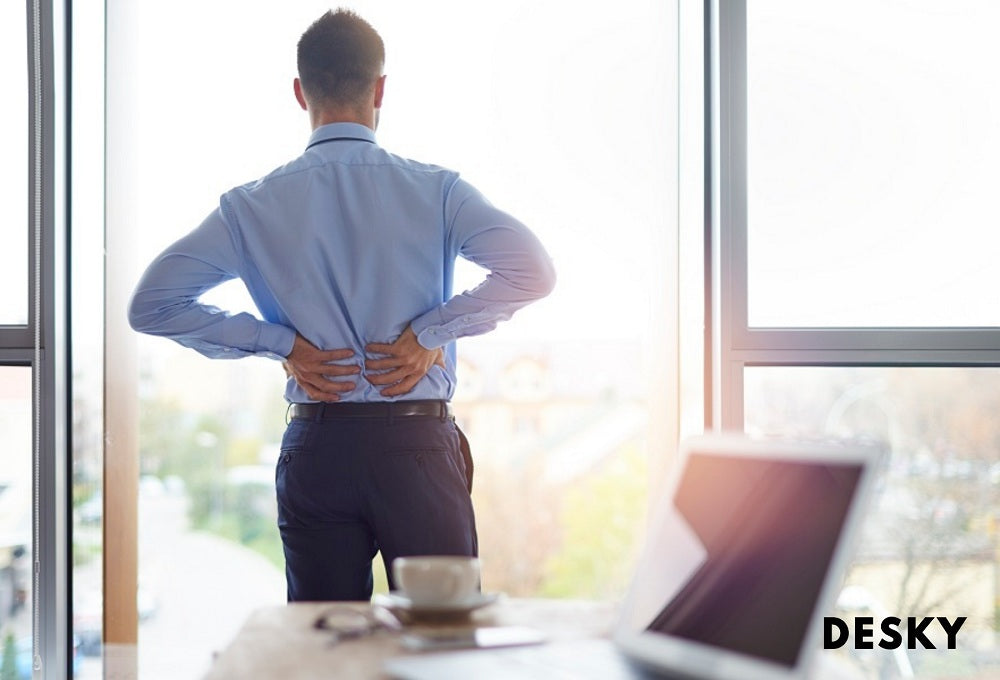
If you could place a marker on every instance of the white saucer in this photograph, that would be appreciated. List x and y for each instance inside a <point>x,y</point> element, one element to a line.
<point>396,601</point>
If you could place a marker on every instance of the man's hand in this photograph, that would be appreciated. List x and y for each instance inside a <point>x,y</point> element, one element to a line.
<point>406,362</point>
<point>312,371</point>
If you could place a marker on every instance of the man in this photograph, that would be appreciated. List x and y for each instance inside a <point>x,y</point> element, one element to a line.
<point>348,253</point>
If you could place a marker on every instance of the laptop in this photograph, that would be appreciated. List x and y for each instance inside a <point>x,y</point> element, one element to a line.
<point>743,558</point>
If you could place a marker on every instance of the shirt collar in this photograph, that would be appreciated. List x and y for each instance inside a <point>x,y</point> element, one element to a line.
<point>336,131</point>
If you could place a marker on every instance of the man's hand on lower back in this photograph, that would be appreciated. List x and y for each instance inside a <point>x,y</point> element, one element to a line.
<point>402,365</point>
<point>312,370</point>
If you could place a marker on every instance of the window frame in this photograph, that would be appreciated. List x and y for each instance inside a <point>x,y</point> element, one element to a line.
<point>41,344</point>
<point>732,344</point>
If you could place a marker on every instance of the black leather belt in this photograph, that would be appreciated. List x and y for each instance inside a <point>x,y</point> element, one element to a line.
<point>376,409</point>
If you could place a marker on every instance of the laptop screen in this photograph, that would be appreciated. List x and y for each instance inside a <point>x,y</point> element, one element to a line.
<point>741,559</point>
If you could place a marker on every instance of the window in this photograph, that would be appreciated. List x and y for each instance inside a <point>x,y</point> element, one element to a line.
<point>848,279</point>
<point>557,403</point>
<point>16,487</point>
<point>16,441</point>
<point>869,164</point>
<point>930,544</point>
<point>88,342</point>
<point>14,166</point>
<point>852,149</point>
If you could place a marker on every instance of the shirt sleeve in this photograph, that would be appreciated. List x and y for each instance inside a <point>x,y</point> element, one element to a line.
<point>520,270</point>
<point>166,300</point>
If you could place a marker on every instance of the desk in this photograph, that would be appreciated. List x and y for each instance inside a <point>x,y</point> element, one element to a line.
<point>281,642</point>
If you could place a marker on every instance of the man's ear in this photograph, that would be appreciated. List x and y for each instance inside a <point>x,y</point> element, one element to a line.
<point>379,91</point>
<point>299,95</point>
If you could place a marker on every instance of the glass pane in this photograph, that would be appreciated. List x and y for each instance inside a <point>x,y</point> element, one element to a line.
<point>553,423</point>
<point>15,519</point>
<point>13,164</point>
<point>930,545</point>
<point>872,141</point>
<point>87,252</point>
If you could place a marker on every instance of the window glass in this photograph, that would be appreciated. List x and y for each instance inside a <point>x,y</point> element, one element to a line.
<point>872,141</point>
<point>15,519</point>
<point>930,543</point>
<point>87,253</point>
<point>555,402</point>
<point>14,164</point>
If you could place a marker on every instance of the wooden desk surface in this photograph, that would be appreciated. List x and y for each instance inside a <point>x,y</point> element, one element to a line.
<point>281,642</point>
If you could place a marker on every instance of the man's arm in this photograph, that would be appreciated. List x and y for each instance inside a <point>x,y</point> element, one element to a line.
<point>521,272</point>
<point>166,303</point>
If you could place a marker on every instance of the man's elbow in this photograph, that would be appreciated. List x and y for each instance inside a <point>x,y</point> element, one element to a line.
<point>546,278</point>
<point>137,320</point>
<point>141,317</point>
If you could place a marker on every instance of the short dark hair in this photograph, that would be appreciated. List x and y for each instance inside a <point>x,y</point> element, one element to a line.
<point>340,56</point>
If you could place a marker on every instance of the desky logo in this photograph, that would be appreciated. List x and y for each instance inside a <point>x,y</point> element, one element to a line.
<point>891,632</point>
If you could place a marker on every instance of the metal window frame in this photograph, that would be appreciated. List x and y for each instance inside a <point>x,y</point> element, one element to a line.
<point>732,344</point>
<point>43,343</point>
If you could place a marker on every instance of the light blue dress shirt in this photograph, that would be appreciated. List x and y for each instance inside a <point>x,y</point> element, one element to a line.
<point>346,245</point>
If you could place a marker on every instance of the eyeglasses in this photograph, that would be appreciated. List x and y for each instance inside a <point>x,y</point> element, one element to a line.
<point>349,624</point>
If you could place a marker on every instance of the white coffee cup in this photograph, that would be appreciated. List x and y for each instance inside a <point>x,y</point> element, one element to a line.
<point>436,579</point>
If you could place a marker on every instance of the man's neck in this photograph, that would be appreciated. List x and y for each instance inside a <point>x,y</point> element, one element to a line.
<point>329,116</point>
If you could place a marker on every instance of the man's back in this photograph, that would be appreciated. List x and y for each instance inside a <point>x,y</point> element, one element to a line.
<point>358,233</point>
<point>349,244</point>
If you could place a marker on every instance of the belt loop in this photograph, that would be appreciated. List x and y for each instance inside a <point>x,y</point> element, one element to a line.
<point>443,405</point>
<point>320,411</point>
<point>389,413</point>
